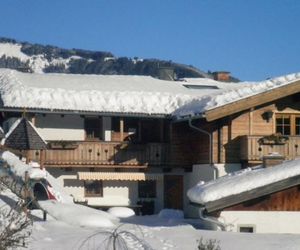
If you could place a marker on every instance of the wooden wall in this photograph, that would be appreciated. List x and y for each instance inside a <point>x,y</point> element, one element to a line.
<point>191,147</point>
<point>286,200</point>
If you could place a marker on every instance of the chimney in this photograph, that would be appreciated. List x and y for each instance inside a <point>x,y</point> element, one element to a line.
<point>222,76</point>
<point>272,160</point>
<point>166,73</point>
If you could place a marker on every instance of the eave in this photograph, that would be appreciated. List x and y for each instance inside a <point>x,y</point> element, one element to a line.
<point>252,101</point>
<point>81,112</point>
<point>236,199</point>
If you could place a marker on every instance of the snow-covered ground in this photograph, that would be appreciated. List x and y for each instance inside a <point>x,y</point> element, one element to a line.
<point>158,232</point>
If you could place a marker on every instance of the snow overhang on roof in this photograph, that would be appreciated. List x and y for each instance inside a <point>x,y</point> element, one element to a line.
<point>245,185</point>
<point>233,100</point>
<point>92,93</point>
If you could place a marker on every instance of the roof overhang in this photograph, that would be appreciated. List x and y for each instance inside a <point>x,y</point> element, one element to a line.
<point>252,101</point>
<point>187,118</point>
<point>236,199</point>
<point>80,112</point>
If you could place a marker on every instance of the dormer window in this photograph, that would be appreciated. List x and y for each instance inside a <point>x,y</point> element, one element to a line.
<point>192,86</point>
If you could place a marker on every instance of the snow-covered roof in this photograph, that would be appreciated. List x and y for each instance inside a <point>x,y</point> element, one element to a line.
<point>232,94</point>
<point>242,181</point>
<point>97,93</point>
<point>126,94</point>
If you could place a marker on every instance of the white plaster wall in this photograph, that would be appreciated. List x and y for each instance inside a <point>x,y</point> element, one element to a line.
<point>225,169</point>
<point>55,127</point>
<point>203,172</point>
<point>115,193</point>
<point>263,221</point>
<point>68,180</point>
<point>106,128</point>
<point>159,201</point>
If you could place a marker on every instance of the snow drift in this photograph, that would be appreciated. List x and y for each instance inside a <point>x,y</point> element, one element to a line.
<point>241,181</point>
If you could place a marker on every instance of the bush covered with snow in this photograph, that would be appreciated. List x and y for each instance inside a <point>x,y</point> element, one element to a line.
<point>171,214</point>
<point>121,212</point>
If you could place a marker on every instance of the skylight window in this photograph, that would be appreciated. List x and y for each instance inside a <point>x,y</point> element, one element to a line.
<point>190,86</point>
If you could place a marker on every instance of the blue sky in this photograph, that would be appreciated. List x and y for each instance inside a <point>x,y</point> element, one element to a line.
<point>253,39</point>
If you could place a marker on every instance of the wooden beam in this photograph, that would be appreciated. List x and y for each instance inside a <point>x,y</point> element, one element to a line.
<point>42,158</point>
<point>121,128</point>
<point>33,120</point>
<point>252,101</point>
<point>251,121</point>
<point>140,130</point>
<point>161,130</point>
<point>64,165</point>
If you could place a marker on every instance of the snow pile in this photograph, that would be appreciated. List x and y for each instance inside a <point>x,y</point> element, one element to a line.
<point>61,209</point>
<point>244,90</point>
<point>78,215</point>
<point>121,212</point>
<point>57,190</point>
<point>98,93</point>
<point>242,181</point>
<point>19,168</point>
<point>171,214</point>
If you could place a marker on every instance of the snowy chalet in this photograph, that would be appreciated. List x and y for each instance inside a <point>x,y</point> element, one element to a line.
<point>128,140</point>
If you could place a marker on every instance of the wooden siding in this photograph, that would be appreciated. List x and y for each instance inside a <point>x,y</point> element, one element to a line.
<point>95,154</point>
<point>283,195</point>
<point>286,200</point>
<point>234,137</point>
<point>240,132</point>
<point>251,150</point>
<point>189,146</point>
<point>252,101</point>
<point>237,125</point>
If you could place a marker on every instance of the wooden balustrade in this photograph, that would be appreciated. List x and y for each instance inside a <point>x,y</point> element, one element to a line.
<point>91,153</point>
<point>252,150</point>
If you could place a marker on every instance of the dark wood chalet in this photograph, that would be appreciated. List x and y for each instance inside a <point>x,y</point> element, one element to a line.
<point>239,134</point>
<point>243,131</point>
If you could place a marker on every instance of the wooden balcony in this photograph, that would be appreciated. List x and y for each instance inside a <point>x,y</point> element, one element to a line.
<point>103,154</point>
<point>253,151</point>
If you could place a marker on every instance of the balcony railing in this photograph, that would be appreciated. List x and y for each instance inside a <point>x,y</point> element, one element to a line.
<point>90,153</point>
<point>252,150</point>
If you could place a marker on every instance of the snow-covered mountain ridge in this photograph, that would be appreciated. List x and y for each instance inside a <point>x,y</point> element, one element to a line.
<point>37,58</point>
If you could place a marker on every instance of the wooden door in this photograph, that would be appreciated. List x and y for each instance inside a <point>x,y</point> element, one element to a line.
<point>173,191</point>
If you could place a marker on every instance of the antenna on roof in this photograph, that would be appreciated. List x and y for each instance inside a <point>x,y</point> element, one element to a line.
<point>24,113</point>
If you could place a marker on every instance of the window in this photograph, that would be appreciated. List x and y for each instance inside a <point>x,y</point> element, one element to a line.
<point>288,124</point>
<point>93,189</point>
<point>283,124</point>
<point>147,189</point>
<point>93,128</point>
<point>297,126</point>
<point>246,229</point>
